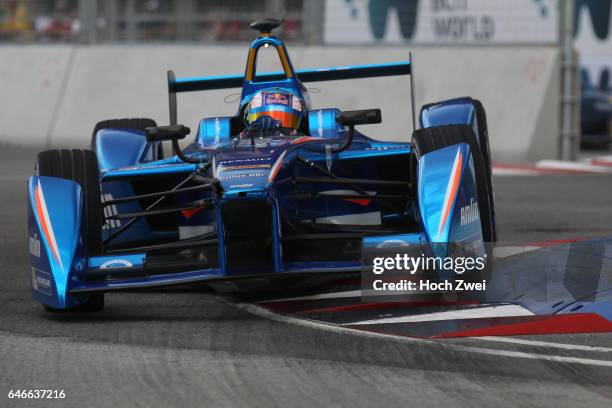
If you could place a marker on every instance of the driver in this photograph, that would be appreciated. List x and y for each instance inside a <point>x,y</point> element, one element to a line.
<point>273,111</point>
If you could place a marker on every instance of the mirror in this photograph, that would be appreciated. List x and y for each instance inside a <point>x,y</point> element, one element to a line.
<point>171,132</point>
<point>360,117</point>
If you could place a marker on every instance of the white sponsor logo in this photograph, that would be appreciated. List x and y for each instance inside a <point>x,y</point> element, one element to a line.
<point>241,186</point>
<point>328,156</point>
<point>470,213</point>
<point>244,175</point>
<point>116,263</point>
<point>320,119</point>
<point>41,281</point>
<point>392,243</point>
<point>248,160</point>
<point>217,130</point>
<point>35,246</point>
<point>109,211</point>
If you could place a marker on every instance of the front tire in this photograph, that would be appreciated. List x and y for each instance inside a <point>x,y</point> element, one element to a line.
<point>80,166</point>
<point>438,137</point>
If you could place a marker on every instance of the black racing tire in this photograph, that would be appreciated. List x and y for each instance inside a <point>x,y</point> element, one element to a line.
<point>80,166</point>
<point>125,123</point>
<point>438,137</point>
<point>485,149</point>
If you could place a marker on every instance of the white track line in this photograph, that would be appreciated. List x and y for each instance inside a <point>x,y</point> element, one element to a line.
<point>546,357</point>
<point>506,251</point>
<point>596,165</point>
<point>502,171</point>
<point>576,167</point>
<point>605,161</point>
<point>331,295</point>
<point>266,314</point>
<point>537,343</point>
<point>470,313</point>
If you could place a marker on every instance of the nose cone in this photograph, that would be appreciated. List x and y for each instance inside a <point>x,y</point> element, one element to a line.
<point>245,170</point>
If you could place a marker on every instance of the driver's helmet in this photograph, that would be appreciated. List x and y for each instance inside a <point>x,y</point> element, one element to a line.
<point>278,104</point>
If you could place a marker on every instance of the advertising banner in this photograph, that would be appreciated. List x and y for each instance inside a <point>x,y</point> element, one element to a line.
<point>441,21</point>
<point>594,42</point>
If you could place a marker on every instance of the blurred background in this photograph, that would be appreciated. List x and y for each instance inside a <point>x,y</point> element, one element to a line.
<point>541,67</point>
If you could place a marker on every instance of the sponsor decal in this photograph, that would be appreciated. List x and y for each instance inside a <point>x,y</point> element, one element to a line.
<point>217,130</point>
<point>470,213</point>
<point>157,166</point>
<point>241,186</point>
<point>249,160</point>
<point>41,281</point>
<point>320,119</point>
<point>276,99</point>
<point>388,147</point>
<point>329,158</point>
<point>109,211</point>
<point>116,263</point>
<point>35,246</point>
<point>392,243</point>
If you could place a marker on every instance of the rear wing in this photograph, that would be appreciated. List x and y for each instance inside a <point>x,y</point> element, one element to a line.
<point>177,85</point>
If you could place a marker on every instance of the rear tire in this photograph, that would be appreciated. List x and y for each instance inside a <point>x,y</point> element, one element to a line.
<point>80,166</point>
<point>438,137</point>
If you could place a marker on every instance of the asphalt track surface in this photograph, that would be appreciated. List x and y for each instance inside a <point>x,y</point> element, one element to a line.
<point>193,348</point>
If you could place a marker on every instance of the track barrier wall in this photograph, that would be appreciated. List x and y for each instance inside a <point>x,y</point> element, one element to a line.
<point>53,95</point>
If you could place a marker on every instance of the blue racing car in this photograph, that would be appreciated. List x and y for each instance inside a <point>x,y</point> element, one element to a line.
<point>279,189</point>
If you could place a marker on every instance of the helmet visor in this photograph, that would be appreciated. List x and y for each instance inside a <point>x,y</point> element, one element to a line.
<point>287,118</point>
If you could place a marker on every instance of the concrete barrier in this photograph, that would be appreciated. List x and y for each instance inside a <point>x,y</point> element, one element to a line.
<point>54,95</point>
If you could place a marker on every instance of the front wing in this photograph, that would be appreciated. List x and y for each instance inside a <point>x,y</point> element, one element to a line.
<point>62,273</point>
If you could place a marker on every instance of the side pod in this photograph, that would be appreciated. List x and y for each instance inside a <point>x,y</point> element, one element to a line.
<point>448,200</point>
<point>54,231</point>
<point>212,131</point>
<point>117,148</point>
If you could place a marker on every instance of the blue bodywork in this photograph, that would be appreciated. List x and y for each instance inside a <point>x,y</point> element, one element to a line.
<point>275,205</point>
<point>55,231</point>
<point>458,111</point>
